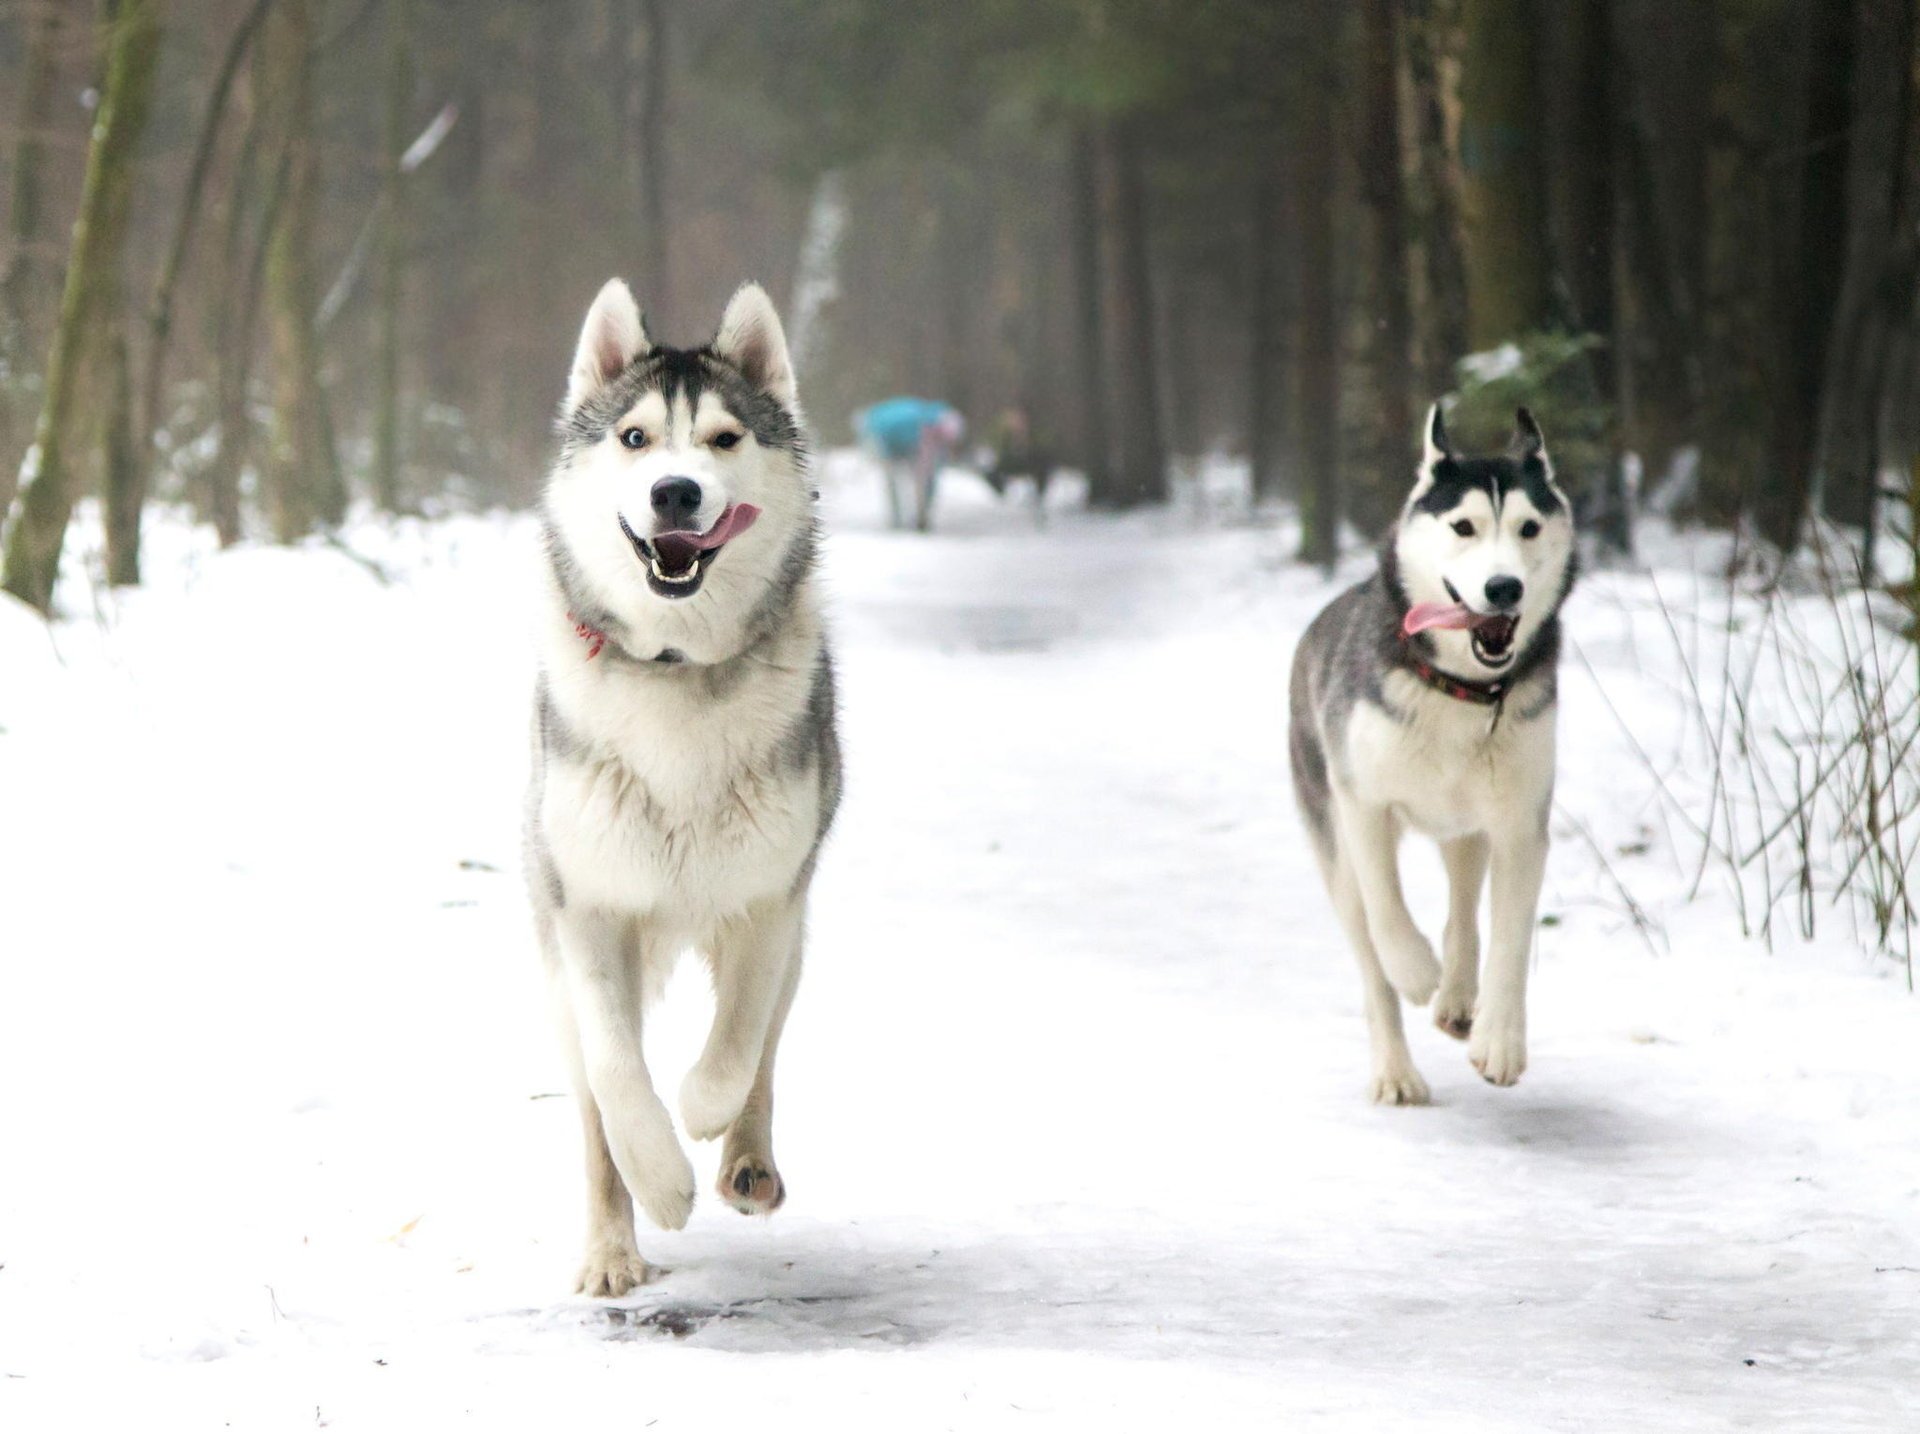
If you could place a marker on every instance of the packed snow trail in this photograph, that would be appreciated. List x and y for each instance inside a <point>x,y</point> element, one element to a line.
<point>1071,1105</point>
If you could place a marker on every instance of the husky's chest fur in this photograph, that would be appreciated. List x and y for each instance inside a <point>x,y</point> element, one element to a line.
<point>1447,767</point>
<point>685,793</point>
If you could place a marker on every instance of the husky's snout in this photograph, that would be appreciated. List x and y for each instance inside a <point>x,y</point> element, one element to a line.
<point>676,503</point>
<point>1505,591</point>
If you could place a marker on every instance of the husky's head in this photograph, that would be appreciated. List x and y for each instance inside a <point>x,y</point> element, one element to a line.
<point>680,505</point>
<point>1483,553</point>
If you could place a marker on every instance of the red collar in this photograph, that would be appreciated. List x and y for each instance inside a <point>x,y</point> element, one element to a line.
<point>1486,694</point>
<point>587,633</point>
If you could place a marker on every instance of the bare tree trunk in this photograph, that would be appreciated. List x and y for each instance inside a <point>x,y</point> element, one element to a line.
<point>1319,366</point>
<point>1870,312</point>
<point>1432,31</point>
<point>145,420</point>
<point>1375,503</point>
<point>121,476</point>
<point>1808,268</point>
<point>644,104</point>
<point>93,274</point>
<point>1090,368</point>
<point>1267,371</point>
<point>41,21</point>
<point>387,457</point>
<point>1577,42</point>
<point>1507,280</point>
<point>304,484</point>
<point>1139,473</point>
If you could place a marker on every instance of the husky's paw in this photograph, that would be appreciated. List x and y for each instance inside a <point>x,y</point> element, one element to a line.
<point>611,1271</point>
<point>710,1103</point>
<point>1498,1049</point>
<point>1453,1012</point>
<point>1410,966</point>
<point>1399,1084</point>
<point>752,1185</point>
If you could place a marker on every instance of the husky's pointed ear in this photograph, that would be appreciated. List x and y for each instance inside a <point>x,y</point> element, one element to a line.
<point>752,340</point>
<point>1528,441</point>
<point>612,337</point>
<point>1434,444</point>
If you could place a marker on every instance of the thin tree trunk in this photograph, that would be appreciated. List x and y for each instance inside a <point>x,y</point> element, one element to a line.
<point>1319,365</point>
<point>146,419</point>
<point>93,271</point>
<point>1870,312</point>
<point>305,488</point>
<point>41,21</point>
<point>387,456</point>
<point>1432,28</point>
<point>1577,40</point>
<point>1139,472</point>
<point>1266,372</point>
<point>121,477</point>
<point>1090,367</point>
<point>1507,278</point>
<point>644,107</point>
<point>1810,260</point>
<point>1383,177</point>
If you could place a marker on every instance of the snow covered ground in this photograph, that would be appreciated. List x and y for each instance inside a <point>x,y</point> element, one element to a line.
<point>1071,1106</point>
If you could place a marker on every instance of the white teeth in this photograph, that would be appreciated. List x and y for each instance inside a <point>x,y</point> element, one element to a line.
<point>666,577</point>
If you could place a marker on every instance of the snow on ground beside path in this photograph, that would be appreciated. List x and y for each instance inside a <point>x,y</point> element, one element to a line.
<point>1071,1106</point>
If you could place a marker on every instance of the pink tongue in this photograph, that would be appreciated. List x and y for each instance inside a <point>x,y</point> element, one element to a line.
<point>680,547</point>
<point>1423,615</point>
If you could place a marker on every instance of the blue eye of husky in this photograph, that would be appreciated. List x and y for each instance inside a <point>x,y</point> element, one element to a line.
<point>1464,528</point>
<point>726,440</point>
<point>1529,529</point>
<point>633,438</point>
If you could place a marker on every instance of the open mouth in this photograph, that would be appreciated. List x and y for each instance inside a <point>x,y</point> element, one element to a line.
<point>1489,634</point>
<point>677,560</point>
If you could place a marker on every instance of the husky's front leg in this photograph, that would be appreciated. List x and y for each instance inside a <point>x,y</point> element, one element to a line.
<point>1370,839</point>
<point>1498,1048</point>
<point>751,955</point>
<point>1466,862</point>
<point>600,962</point>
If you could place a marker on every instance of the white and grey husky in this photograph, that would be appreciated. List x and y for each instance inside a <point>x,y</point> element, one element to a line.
<point>1424,697</point>
<point>686,766</point>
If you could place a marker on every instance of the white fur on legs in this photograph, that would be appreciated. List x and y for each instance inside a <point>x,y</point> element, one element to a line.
<point>1498,1048</point>
<point>751,957</point>
<point>1395,1081</point>
<point>600,964</point>
<point>1466,863</point>
<point>749,1180</point>
<point>1369,839</point>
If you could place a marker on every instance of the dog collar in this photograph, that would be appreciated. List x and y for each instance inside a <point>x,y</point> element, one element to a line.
<point>1486,694</point>
<point>590,635</point>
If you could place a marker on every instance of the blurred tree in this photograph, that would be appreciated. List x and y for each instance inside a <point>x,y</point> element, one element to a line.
<point>1432,42</point>
<point>20,279</point>
<point>131,40</point>
<point>1504,192</point>
<point>388,452</point>
<point>304,484</point>
<point>1383,178</point>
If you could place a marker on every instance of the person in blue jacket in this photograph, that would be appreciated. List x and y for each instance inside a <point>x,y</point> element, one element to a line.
<point>913,438</point>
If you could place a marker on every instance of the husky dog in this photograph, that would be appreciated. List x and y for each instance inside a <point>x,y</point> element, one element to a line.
<point>685,764</point>
<point>1424,697</point>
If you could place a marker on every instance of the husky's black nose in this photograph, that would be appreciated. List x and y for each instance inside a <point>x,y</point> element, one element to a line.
<point>676,500</point>
<point>1501,592</point>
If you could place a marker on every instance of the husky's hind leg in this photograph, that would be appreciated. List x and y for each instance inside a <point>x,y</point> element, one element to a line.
<point>1370,847</point>
<point>1466,863</point>
<point>600,963</point>
<point>1395,1081</point>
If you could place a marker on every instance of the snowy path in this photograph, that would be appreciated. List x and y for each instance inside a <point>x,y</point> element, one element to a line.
<point>1071,1106</point>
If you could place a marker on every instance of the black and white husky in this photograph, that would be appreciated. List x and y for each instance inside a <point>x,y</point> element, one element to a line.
<point>686,766</point>
<point>1424,697</point>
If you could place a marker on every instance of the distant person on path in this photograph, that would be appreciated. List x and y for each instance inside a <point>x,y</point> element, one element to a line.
<point>913,438</point>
